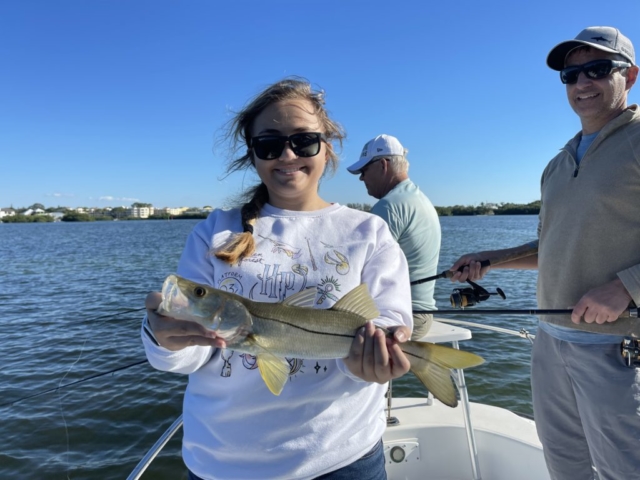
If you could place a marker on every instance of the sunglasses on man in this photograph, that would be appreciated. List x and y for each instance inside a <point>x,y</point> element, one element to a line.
<point>594,70</point>
<point>270,147</point>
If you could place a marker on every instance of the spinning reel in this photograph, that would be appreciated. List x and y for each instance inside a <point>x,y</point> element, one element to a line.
<point>630,350</point>
<point>470,296</point>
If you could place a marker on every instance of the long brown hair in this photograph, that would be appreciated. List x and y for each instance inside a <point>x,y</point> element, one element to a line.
<point>239,134</point>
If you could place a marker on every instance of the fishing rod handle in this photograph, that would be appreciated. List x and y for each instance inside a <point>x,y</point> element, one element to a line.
<point>530,248</point>
<point>451,273</point>
<point>446,274</point>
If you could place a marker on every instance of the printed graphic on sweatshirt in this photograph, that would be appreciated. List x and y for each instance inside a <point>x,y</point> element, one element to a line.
<point>274,283</point>
<point>334,257</point>
<point>230,282</point>
<point>226,358</point>
<point>281,247</point>
<point>339,260</point>
<point>327,285</point>
<point>313,260</point>
<point>249,361</point>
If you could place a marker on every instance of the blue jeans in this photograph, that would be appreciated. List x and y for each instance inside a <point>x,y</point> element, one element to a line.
<point>368,467</point>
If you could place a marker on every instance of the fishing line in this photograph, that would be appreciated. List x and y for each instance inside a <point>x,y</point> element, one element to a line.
<point>91,377</point>
<point>64,420</point>
<point>122,312</point>
<point>82,380</point>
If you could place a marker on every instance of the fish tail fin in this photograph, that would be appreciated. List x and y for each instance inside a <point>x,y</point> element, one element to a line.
<point>432,365</point>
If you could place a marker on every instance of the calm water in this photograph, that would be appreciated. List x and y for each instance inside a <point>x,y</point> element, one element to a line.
<point>65,292</point>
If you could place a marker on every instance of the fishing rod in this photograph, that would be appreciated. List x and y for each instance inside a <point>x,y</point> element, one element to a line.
<point>629,313</point>
<point>59,387</point>
<point>629,347</point>
<point>531,249</point>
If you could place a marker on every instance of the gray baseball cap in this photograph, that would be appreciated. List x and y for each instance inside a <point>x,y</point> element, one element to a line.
<point>608,39</point>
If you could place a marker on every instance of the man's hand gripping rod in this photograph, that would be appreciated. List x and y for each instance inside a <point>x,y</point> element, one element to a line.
<point>530,249</point>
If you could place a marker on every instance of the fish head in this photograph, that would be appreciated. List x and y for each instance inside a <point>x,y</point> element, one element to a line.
<point>214,309</point>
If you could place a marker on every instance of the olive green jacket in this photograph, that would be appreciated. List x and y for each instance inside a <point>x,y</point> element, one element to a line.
<point>589,228</point>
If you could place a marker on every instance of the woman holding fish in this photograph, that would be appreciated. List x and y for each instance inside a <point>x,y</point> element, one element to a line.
<point>328,420</point>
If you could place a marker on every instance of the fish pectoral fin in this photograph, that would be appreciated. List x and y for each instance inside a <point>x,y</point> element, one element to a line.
<point>305,299</point>
<point>274,371</point>
<point>358,301</point>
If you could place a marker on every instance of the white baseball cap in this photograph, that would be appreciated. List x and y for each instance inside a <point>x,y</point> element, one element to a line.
<point>378,147</point>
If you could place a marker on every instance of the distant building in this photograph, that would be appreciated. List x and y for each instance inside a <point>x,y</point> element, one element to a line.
<point>141,212</point>
<point>7,212</point>
<point>173,211</point>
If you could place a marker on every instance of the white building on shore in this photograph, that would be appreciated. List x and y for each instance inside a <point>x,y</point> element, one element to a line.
<point>7,212</point>
<point>141,212</point>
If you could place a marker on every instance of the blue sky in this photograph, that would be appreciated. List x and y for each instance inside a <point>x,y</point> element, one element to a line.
<point>108,102</point>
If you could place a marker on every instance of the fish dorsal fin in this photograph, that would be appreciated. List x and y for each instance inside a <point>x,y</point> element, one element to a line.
<point>273,370</point>
<point>359,302</point>
<point>305,299</point>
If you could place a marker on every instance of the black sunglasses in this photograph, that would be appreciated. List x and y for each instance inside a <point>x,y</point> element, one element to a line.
<point>595,70</point>
<point>270,147</point>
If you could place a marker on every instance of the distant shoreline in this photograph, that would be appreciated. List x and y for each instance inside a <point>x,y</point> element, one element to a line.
<point>532,208</point>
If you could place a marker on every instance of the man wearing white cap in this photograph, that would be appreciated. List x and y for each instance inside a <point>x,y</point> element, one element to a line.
<point>412,219</point>
<point>584,372</point>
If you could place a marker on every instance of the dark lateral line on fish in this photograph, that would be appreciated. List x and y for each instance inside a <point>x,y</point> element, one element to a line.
<point>59,387</point>
<point>307,330</point>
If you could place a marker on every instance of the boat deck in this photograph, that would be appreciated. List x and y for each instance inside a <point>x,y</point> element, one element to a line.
<point>472,441</point>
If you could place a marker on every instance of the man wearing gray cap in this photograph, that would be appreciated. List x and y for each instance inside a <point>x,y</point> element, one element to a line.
<point>412,219</point>
<point>584,368</point>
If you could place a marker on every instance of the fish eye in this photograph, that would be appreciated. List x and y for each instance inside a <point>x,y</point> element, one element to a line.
<point>199,292</point>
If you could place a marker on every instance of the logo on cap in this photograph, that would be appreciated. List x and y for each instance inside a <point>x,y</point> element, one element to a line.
<point>364,151</point>
<point>600,39</point>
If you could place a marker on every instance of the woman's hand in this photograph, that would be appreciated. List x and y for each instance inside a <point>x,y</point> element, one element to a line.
<point>374,357</point>
<point>175,334</point>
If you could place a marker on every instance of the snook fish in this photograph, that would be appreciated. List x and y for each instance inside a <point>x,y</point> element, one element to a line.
<point>273,331</point>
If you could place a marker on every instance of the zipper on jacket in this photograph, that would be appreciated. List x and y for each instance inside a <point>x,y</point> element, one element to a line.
<point>576,164</point>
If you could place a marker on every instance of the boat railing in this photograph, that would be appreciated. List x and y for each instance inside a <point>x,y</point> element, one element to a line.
<point>522,333</point>
<point>155,450</point>
<point>436,335</point>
